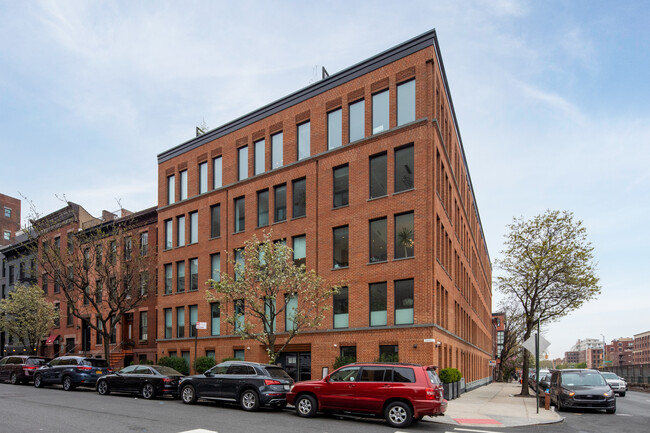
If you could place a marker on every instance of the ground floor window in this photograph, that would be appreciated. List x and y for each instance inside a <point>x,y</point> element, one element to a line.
<point>389,353</point>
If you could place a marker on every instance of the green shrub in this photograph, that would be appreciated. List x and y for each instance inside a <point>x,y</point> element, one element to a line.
<point>340,361</point>
<point>230,358</point>
<point>146,362</point>
<point>388,357</point>
<point>203,363</point>
<point>449,375</point>
<point>177,363</point>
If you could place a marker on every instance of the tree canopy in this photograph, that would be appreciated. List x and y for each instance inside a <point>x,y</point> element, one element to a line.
<point>547,268</point>
<point>268,286</point>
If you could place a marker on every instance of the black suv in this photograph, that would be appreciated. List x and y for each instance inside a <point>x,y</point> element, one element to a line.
<point>20,368</point>
<point>71,371</point>
<point>581,389</point>
<point>248,383</point>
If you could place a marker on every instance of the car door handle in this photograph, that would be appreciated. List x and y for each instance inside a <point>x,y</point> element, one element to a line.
<point>385,386</point>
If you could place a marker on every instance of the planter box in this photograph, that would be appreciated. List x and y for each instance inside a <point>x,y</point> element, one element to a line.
<point>451,390</point>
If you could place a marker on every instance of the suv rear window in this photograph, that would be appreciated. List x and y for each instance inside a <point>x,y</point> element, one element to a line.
<point>95,362</point>
<point>277,373</point>
<point>36,361</point>
<point>403,374</point>
<point>375,374</point>
<point>433,377</point>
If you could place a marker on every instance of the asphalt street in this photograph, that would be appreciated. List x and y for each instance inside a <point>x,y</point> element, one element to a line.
<point>25,409</point>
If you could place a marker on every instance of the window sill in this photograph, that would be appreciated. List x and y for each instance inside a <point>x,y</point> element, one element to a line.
<point>341,207</point>
<point>404,258</point>
<point>337,268</point>
<point>377,262</point>
<point>377,198</point>
<point>279,222</point>
<point>299,217</point>
<point>404,191</point>
<point>215,237</point>
<point>262,226</point>
<point>236,233</point>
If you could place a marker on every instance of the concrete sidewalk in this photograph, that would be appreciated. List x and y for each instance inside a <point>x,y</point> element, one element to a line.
<point>495,405</point>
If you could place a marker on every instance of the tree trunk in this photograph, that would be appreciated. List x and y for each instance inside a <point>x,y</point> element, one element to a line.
<point>524,374</point>
<point>107,349</point>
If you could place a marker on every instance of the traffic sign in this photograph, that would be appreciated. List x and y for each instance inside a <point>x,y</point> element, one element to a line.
<point>201,325</point>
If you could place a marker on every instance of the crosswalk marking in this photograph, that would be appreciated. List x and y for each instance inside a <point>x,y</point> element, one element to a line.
<point>198,430</point>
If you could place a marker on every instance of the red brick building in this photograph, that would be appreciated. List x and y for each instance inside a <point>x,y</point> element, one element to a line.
<point>364,175</point>
<point>641,354</point>
<point>619,352</point>
<point>9,219</point>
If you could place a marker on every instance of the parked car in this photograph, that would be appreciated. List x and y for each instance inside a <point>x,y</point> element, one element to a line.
<point>544,382</point>
<point>20,368</point>
<point>616,383</point>
<point>581,389</point>
<point>532,375</point>
<point>401,393</point>
<point>248,383</point>
<point>71,371</point>
<point>148,380</point>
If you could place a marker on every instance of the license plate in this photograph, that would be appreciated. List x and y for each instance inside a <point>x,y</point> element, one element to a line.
<point>99,372</point>
<point>286,387</point>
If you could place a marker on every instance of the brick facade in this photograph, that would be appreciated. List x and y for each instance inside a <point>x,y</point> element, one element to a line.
<point>450,266</point>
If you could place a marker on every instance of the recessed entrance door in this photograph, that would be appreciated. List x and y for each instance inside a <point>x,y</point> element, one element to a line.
<point>297,364</point>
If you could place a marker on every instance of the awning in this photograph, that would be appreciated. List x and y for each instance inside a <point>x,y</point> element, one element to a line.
<point>51,338</point>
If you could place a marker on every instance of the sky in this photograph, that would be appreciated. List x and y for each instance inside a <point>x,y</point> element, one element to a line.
<point>551,99</point>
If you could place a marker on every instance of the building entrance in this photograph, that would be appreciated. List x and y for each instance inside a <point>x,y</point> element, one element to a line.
<point>297,364</point>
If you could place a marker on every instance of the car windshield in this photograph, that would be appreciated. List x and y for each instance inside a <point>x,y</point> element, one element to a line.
<point>609,375</point>
<point>277,373</point>
<point>95,362</point>
<point>583,379</point>
<point>166,371</point>
<point>36,361</point>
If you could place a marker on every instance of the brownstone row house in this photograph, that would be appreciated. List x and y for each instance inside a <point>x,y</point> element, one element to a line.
<point>364,175</point>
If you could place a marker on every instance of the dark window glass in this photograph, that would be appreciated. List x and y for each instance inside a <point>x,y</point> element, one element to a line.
<point>404,302</point>
<point>299,198</point>
<point>378,174</point>
<point>194,274</point>
<point>378,242</point>
<point>168,323</point>
<point>357,120</point>
<point>194,314</point>
<point>341,308</point>
<point>180,322</point>
<point>404,236</point>
<point>280,202</point>
<point>180,277</point>
<point>406,102</point>
<point>349,352</point>
<point>240,215</point>
<point>215,316</point>
<point>404,168</point>
<point>263,208</point>
<point>389,353</point>
<point>340,235</point>
<point>180,231</point>
<point>215,221</point>
<point>299,250</point>
<point>375,374</point>
<point>168,279</point>
<point>378,312</point>
<point>403,374</point>
<point>341,186</point>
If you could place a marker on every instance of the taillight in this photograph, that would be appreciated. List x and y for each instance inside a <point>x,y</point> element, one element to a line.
<point>109,370</point>
<point>84,367</point>
<point>168,380</point>
<point>430,393</point>
<point>29,367</point>
<point>268,382</point>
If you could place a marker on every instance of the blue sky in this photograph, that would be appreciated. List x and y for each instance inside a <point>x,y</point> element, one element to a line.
<point>551,98</point>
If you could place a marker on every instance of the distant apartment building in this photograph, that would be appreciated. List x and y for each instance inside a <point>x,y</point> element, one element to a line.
<point>9,219</point>
<point>364,175</point>
<point>641,352</point>
<point>572,357</point>
<point>619,352</point>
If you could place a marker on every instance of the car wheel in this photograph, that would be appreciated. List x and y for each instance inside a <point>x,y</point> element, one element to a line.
<point>14,379</point>
<point>67,383</point>
<point>621,394</point>
<point>279,406</point>
<point>188,394</point>
<point>102,388</point>
<point>38,381</point>
<point>306,406</point>
<point>249,400</point>
<point>398,414</point>
<point>148,392</point>
<point>558,405</point>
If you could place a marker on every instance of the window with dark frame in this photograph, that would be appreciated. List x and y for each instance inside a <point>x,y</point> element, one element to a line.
<point>168,323</point>
<point>340,250</point>
<point>263,208</point>
<point>180,231</point>
<point>260,156</point>
<point>404,173</point>
<point>378,240</point>
<point>184,185</point>
<point>357,122</point>
<point>215,221</point>
<point>194,275</point>
<point>404,236</point>
<point>378,304</point>
<point>215,319</point>
<point>171,189</point>
<point>277,145</point>
<point>334,129</point>
<point>300,250</point>
<point>349,352</point>
<point>380,112</point>
<point>217,181</point>
<point>341,304</point>
<point>405,102</point>
<point>341,186</point>
<point>299,194</point>
<point>280,203</point>
<point>242,163</point>
<point>240,215</point>
<point>404,302</point>
<point>168,278</point>
<point>180,277</point>
<point>180,322</point>
<point>304,140</point>
<point>203,177</point>
<point>215,267</point>
<point>378,175</point>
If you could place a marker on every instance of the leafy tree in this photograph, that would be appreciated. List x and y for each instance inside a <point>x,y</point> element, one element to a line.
<point>203,363</point>
<point>249,299</point>
<point>27,315</point>
<point>178,363</point>
<point>548,269</point>
<point>513,330</point>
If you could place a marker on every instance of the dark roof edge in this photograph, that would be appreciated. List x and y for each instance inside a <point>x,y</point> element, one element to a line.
<point>382,59</point>
<point>441,65</point>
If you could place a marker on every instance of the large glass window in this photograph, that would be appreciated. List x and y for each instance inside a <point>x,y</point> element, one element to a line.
<point>144,244</point>
<point>215,319</point>
<point>194,227</point>
<point>215,221</point>
<point>299,198</point>
<point>260,156</point>
<point>180,277</point>
<point>349,352</point>
<point>378,311</point>
<point>239,314</point>
<point>378,240</point>
<point>406,102</point>
<point>378,174</point>
<point>169,234</point>
<point>217,180</point>
<point>168,278</point>
<point>242,158</point>
<point>304,140</point>
<point>404,235</point>
<point>240,215</point>
<point>357,120</point>
<point>239,263</point>
<point>171,189</point>
<point>390,353</point>
<point>380,112</point>
<point>215,267</point>
<point>280,203</point>
<point>180,322</point>
<point>341,308</point>
<point>180,231</point>
<point>168,323</point>
<point>334,129</point>
<point>194,316</point>
<point>184,185</point>
<point>203,177</point>
<point>290,310</point>
<point>404,168</point>
<point>341,247</point>
<point>277,145</point>
<point>404,302</point>
<point>341,185</point>
<point>299,250</point>
<point>263,208</point>
<point>143,334</point>
<point>194,274</point>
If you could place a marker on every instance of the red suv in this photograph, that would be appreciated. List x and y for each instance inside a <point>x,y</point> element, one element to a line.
<point>401,393</point>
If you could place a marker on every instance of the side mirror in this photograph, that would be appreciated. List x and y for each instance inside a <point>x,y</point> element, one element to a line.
<point>327,379</point>
<point>207,373</point>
